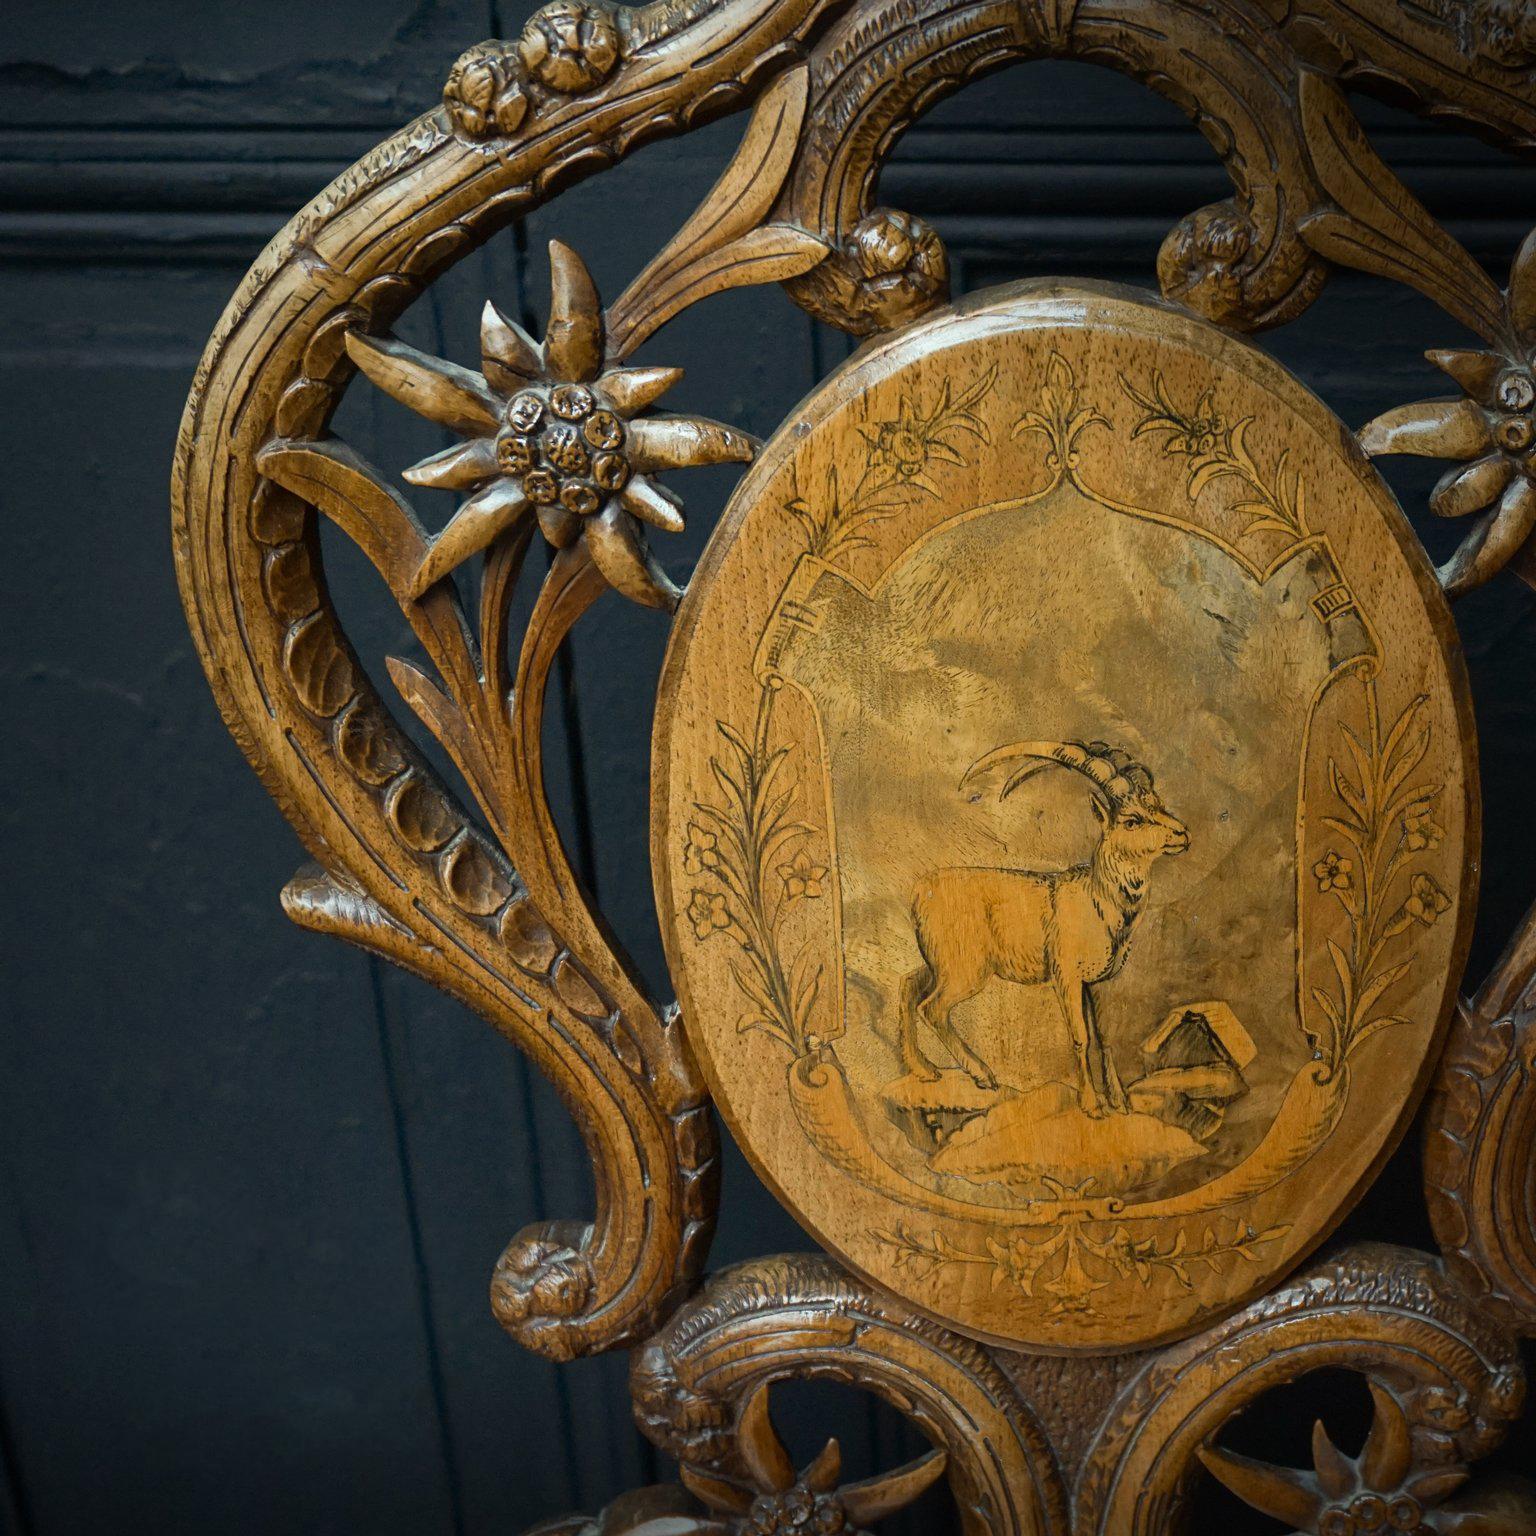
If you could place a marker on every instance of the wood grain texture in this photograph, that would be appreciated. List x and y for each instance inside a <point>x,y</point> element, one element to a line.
<point>1372,839</point>
<point>1065,821</point>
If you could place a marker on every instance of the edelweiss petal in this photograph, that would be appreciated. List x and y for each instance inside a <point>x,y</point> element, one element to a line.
<point>762,1451</point>
<point>1475,371</point>
<point>682,442</point>
<point>505,345</point>
<point>652,504</point>
<point>1464,490</point>
<point>1285,1493</point>
<point>877,1497</point>
<point>1388,1454</point>
<point>475,526</point>
<point>457,468</point>
<point>618,550</point>
<point>1522,291</point>
<point>1436,429</point>
<point>573,343</point>
<point>441,391</point>
<point>1492,546</point>
<point>631,390</point>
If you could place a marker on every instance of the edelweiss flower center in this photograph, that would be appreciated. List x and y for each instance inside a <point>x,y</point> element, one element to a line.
<point>562,447</point>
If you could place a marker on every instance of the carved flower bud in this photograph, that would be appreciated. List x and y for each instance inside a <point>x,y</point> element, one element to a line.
<point>484,94</point>
<point>563,447</point>
<point>610,470</point>
<point>901,261</point>
<point>1516,391</point>
<point>570,46</point>
<point>525,411</point>
<point>604,430</point>
<point>1506,32</point>
<point>579,497</point>
<point>572,401</point>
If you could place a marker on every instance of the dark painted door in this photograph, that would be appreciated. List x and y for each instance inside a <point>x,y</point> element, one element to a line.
<point>252,1183</point>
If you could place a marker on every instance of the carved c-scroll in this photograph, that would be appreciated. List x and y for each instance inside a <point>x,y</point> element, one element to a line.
<point>1234,70</point>
<point>874,73</point>
<point>1388,1312</point>
<point>400,868</point>
<point>1480,1140</point>
<point>804,1317</point>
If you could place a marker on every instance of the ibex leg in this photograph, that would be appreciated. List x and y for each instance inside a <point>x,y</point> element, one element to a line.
<point>1088,1053</point>
<point>934,1008</point>
<point>912,1057</point>
<point>1100,1062</point>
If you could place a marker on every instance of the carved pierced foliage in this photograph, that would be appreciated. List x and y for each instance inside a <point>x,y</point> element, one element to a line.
<point>700,1393</point>
<point>399,867</point>
<point>560,436</point>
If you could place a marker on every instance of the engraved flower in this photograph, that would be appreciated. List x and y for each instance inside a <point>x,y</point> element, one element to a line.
<point>773,1500</point>
<point>701,851</point>
<point>801,877</point>
<point>1382,1493</point>
<point>1426,901</point>
<point>899,444</point>
<point>551,433</point>
<point>1333,872</point>
<point>708,913</point>
<point>1491,428</point>
<point>1421,830</point>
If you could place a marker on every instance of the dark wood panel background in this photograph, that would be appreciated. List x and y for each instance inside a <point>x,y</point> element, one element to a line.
<point>251,1182</point>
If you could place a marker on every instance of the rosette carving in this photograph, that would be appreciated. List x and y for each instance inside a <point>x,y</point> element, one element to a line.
<point>699,1386</point>
<point>1427,1347</point>
<point>1480,1140</point>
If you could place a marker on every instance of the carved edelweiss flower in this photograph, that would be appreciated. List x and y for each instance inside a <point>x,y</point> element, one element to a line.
<point>1492,427</point>
<point>1381,1492</point>
<point>553,434</point>
<point>778,1502</point>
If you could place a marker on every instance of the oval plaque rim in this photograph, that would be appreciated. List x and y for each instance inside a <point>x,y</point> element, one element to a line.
<point>1079,305</point>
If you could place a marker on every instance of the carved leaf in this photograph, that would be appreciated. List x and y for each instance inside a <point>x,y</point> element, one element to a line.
<point>330,476</point>
<point>1378,225</point>
<point>721,246</point>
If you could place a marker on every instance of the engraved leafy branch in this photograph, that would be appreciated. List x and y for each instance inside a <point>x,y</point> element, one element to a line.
<point>1064,420</point>
<point>900,452</point>
<point>1070,1262</point>
<point>741,851</point>
<point>1386,817</point>
<point>1217,448</point>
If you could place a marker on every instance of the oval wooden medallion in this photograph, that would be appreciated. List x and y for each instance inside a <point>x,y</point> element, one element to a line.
<point>1065,817</point>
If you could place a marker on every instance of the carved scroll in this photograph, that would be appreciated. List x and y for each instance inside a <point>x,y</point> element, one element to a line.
<point>803,1317</point>
<point>1480,1140</point>
<point>1388,1312</point>
<point>401,870</point>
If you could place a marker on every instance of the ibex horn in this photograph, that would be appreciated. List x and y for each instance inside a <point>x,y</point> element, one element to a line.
<point>1039,755</point>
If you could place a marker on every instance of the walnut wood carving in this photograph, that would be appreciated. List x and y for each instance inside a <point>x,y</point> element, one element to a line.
<point>1145,422</point>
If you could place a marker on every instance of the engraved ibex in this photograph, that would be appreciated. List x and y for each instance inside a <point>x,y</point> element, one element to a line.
<point>1069,927</point>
